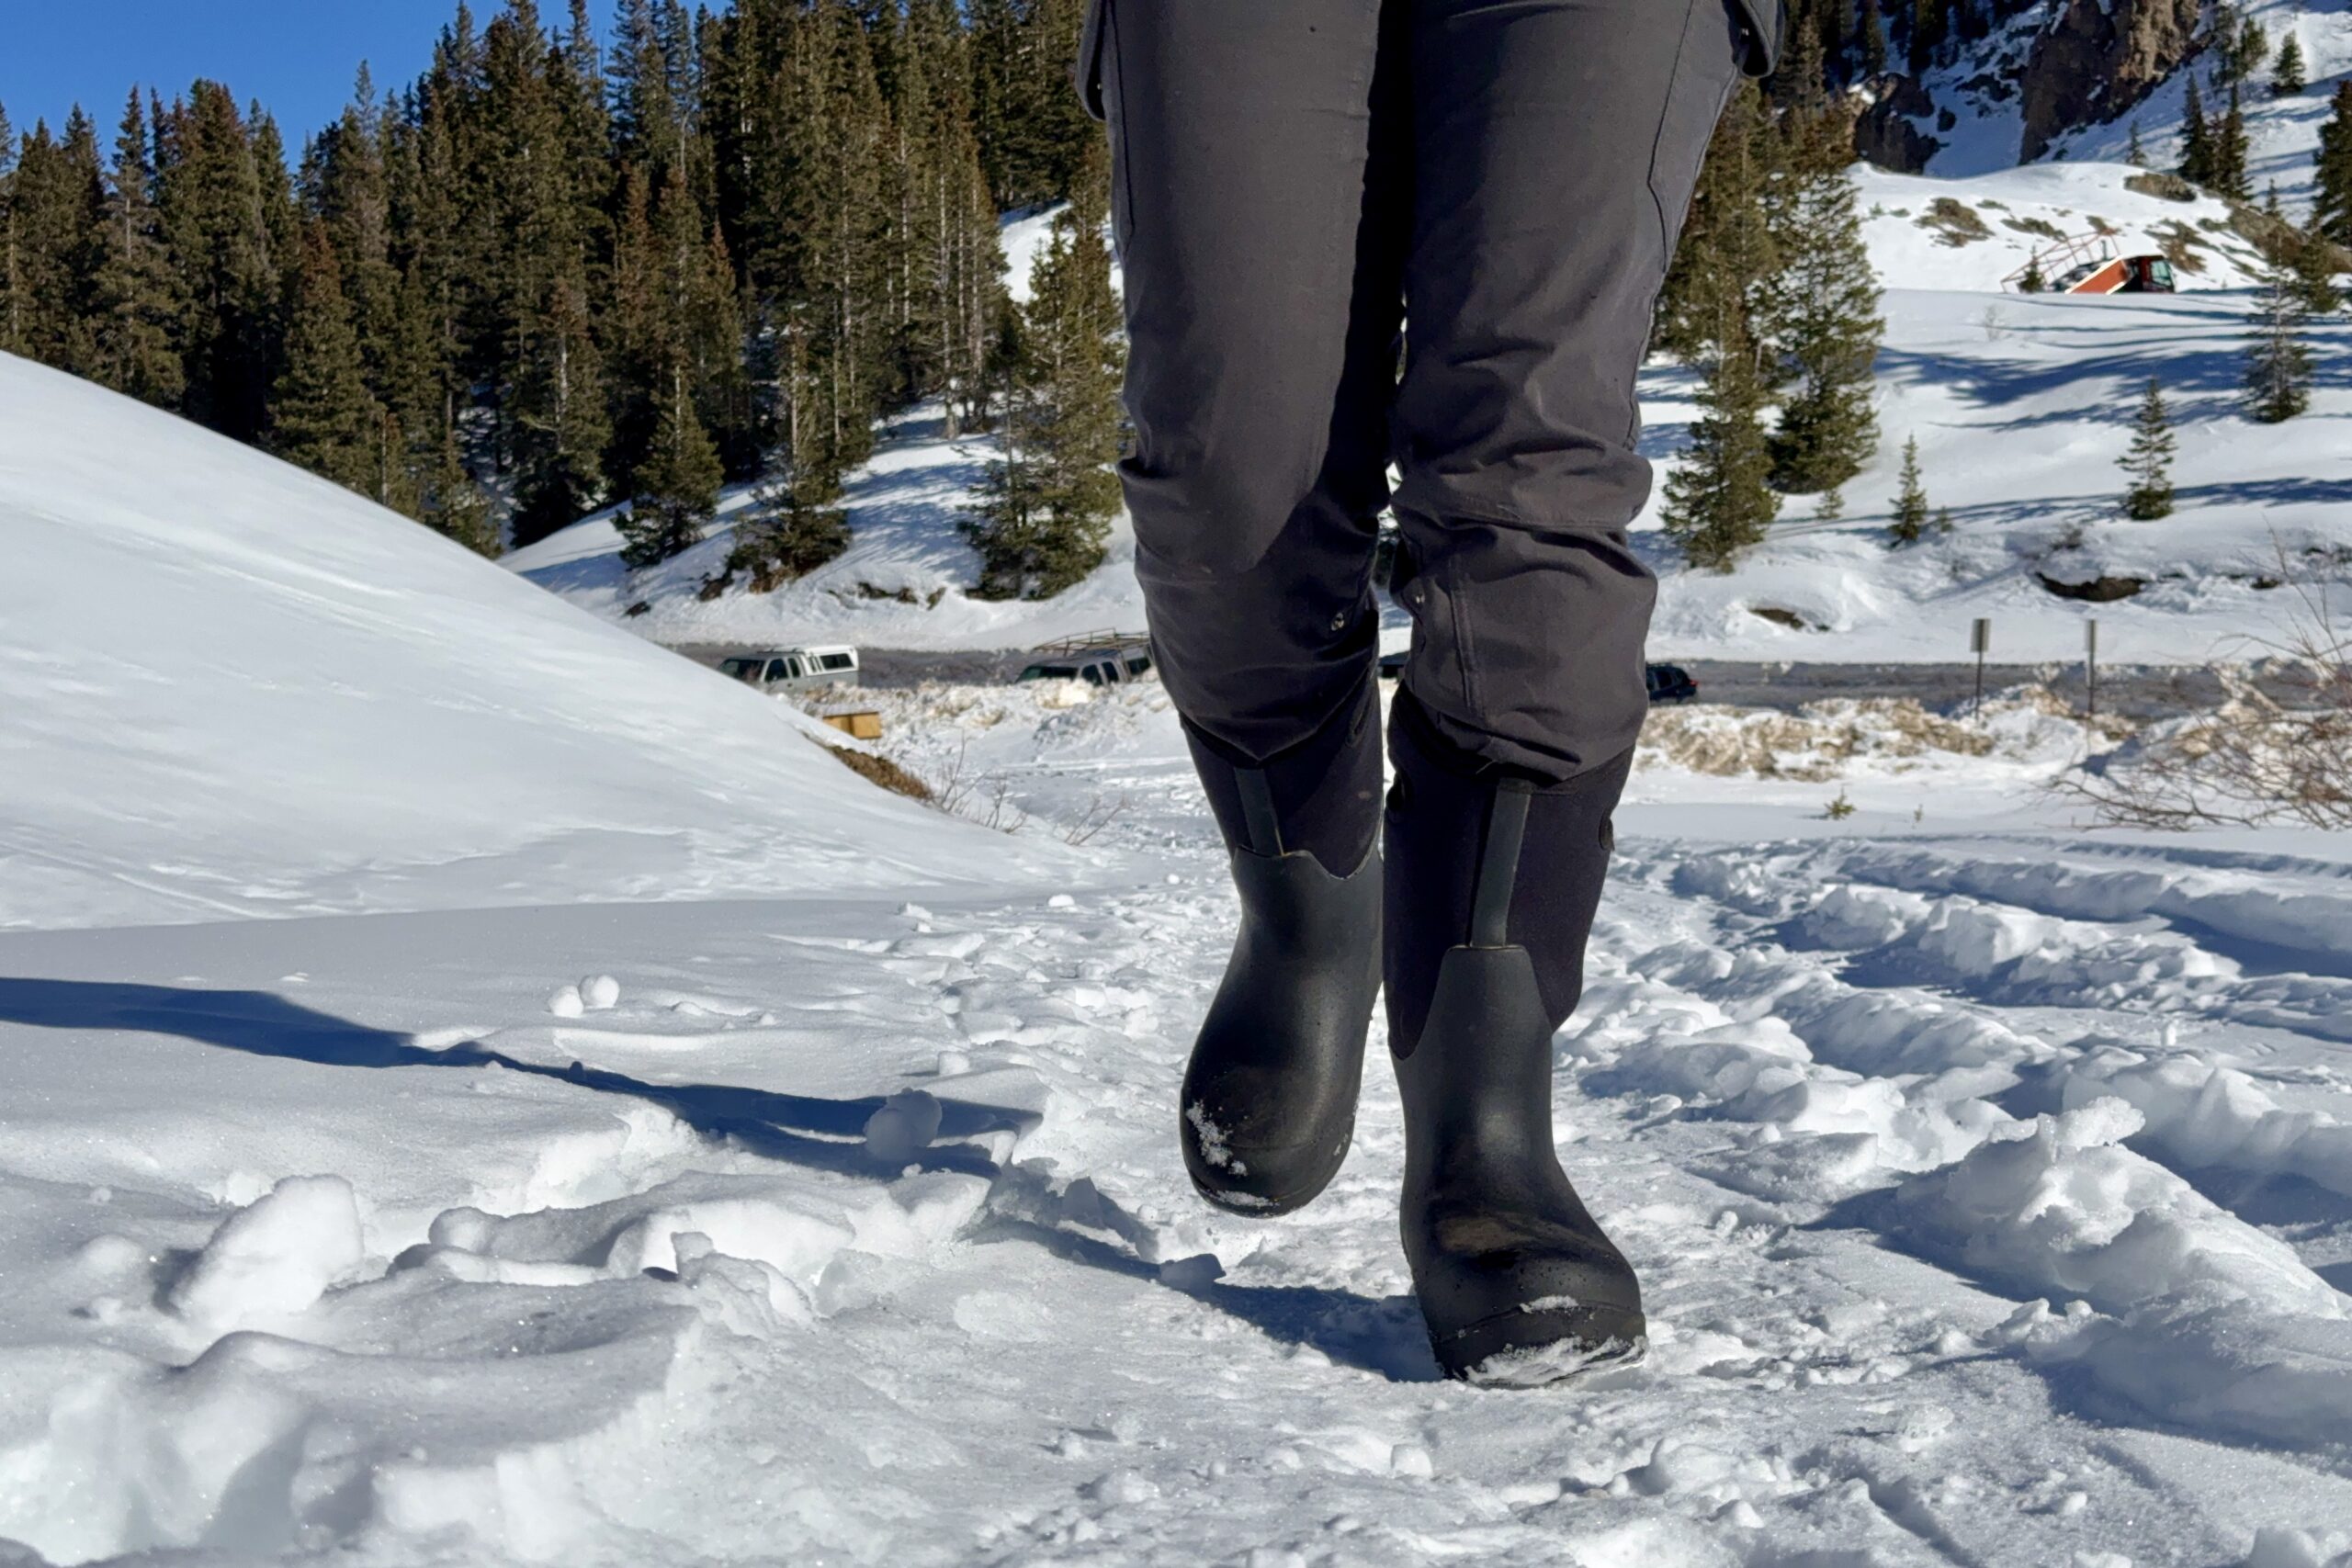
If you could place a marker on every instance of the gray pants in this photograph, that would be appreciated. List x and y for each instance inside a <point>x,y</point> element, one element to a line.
<point>1291,179</point>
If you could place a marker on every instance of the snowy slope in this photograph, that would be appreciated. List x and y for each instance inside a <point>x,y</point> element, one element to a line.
<point>2021,407</point>
<point>232,689</point>
<point>904,583</point>
<point>1929,232</point>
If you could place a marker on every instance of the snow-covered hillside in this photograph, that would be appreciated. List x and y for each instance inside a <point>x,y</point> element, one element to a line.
<point>2021,405</point>
<point>230,688</point>
<point>1973,236</point>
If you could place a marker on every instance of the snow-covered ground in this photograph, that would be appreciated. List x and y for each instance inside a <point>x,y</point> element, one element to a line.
<point>1992,1182</point>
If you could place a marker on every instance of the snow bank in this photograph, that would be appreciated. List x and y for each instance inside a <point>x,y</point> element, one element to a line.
<point>234,688</point>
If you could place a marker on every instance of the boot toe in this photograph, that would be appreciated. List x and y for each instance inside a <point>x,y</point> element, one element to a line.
<point>1259,1178</point>
<point>1515,1302</point>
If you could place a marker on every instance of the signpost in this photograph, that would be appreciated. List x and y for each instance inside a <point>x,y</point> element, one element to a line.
<point>1980,640</point>
<point>2090,664</point>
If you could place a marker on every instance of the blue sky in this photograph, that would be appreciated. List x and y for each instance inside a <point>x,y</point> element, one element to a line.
<point>296,56</point>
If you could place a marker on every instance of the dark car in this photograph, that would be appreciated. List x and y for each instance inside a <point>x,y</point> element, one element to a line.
<point>1667,682</point>
<point>1670,683</point>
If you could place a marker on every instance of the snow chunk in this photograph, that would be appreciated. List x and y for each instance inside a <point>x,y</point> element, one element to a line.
<point>904,1128</point>
<point>276,1257</point>
<point>2067,1210</point>
<point>600,993</point>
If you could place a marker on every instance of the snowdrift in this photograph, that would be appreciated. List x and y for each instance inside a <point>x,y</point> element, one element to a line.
<point>234,688</point>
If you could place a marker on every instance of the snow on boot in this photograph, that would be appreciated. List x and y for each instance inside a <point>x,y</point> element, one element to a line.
<point>1493,882</point>
<point>1270,1097</point>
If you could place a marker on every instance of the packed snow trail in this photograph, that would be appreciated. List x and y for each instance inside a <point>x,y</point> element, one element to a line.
<point>625,1279</point>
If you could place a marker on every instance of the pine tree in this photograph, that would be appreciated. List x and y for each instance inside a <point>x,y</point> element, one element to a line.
<point>323,416</point>
<point>1718,503</point>
<point>2196,139</point>
<point>1729,247</point>
<point>1911,513</point>
<point>12,298</point>
<point>562,422</point>
<point>58,207</point>
<point>795,524</point>
<point>2287,77</point>
<point>1045,513</point>
<point>136,308</point>
<point>2149,459</point>
<point>2277,360</point>
<point>1873,39</point>
<point>2332,170</point>
<point>2230,151</point>
<point>1032,130</point>
<point>1827,312</point>
<point>2133,154</point>
<point>220,198</point>
<point>677,488</point>
<point>2313,259</point>
<point>452,504</point>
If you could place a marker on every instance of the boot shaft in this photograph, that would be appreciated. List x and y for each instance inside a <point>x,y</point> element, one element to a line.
<point>1481,859</point>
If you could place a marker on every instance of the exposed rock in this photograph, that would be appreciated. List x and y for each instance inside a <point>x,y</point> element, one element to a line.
<point>2097,58</point>
<point>1890,132</point>
<point>2098,591</point>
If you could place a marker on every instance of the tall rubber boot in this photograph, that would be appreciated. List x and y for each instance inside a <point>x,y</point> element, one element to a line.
<point>1493,882</point>
<point>1269,1096</point>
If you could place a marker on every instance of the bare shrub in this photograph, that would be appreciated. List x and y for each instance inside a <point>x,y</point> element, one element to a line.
<point>881,770</point>
<point>2263,756</point>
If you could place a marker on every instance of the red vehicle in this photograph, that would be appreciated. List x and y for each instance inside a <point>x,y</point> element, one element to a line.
<point>2090,264</point>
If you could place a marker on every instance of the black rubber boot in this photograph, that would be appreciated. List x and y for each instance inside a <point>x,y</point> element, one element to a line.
<point>1270,1097</point>
<point>1493,883</point>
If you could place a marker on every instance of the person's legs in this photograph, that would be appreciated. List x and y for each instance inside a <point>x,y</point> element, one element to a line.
<point>1260,205</point>
<point>1558,143</point>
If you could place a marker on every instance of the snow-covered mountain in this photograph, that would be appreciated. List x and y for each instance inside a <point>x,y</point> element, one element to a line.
<point>230,688</point>
<point>2067,80</point>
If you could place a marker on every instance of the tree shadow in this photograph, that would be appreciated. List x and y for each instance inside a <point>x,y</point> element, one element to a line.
<point>825,1134</point>
<point>1382,1337</point>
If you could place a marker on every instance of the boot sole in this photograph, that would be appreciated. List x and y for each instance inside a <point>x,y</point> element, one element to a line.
<point>1530,1350</point>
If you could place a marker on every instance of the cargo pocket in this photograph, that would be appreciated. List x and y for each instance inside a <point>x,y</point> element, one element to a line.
<point>1088,72</point>
<point>1439,667</point>
<point>1719,43</point>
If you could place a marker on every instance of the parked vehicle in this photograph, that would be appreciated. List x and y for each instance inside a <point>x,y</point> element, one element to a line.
<point>1099,659</point>
<point>794,669</point>
<point>2090,263</point>
<point>1670,683</point>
